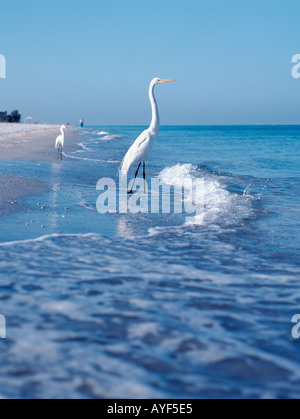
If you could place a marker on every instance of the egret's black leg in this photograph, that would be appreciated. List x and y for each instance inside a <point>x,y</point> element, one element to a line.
<point>136,174</point>
<point>144,176</point>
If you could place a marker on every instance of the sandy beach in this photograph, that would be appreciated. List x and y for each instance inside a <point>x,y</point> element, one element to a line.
<point>32,142</point>
<point>27,143</point>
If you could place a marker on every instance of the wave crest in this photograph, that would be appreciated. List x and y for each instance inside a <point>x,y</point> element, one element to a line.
<point>221,206</point>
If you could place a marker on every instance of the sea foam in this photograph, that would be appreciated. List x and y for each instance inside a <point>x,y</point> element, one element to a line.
<point>220,205</point>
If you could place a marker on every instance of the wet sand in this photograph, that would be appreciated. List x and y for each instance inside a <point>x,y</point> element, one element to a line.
<point>12,188</point>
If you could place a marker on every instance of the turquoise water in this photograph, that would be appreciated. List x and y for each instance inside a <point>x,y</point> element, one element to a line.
<point>144,305</point>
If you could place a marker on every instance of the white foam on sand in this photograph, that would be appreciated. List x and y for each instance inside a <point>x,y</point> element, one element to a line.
<point>110,137</point>
<point>102,133</point>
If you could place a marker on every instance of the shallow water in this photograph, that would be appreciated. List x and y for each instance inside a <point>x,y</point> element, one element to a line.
<point>144,305</point>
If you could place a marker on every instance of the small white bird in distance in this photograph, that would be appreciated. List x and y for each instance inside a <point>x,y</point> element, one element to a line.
<point>60,142</point>
<point>143,145</point>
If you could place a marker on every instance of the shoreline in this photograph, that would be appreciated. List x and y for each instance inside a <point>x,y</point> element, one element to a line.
<point>28,143</point>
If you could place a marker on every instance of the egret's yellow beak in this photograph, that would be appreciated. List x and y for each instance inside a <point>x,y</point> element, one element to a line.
<point>167,81</point>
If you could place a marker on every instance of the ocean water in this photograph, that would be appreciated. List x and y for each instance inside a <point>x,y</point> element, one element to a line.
<point>146,305</point>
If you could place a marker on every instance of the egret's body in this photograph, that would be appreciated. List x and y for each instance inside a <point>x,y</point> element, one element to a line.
<point>60,142</point>
<point>143,145</point>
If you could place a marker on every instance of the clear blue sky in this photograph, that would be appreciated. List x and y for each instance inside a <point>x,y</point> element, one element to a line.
<point>95,58</point>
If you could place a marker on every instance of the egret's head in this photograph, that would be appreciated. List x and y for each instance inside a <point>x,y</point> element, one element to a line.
<point>63,127</point>
<point>159,81</point>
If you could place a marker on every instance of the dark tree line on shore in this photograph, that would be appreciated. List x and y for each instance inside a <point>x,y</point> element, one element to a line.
<point>14,117</point>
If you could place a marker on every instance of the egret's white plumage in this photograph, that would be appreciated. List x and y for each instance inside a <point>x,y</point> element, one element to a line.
<point>143,145</point>
<point>60,141</point>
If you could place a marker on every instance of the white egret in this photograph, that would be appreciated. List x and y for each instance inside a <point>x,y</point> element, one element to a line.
<point>60,142</point>
<point>143,145</point>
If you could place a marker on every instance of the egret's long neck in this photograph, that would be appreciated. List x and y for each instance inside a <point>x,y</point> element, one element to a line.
<point>155,123</point>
